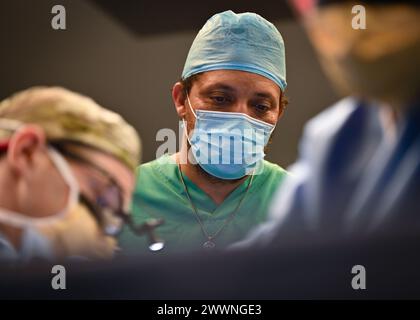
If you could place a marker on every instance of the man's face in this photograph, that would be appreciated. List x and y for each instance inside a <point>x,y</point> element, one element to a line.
<point>39,187</point>
<point>228,91</point>
<point>235,91</point>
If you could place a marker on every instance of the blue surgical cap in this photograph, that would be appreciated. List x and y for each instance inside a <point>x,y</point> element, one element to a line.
<point>245,42</point>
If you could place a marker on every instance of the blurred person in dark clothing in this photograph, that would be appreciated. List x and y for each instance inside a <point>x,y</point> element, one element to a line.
<point>358,172</point>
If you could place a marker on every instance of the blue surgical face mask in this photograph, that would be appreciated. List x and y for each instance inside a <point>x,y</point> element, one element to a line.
<point>228,145</point>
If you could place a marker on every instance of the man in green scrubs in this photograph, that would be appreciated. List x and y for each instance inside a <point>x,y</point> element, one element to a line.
<point>230,98</point>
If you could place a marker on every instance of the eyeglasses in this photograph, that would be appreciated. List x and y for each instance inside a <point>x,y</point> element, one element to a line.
<point>108,208</point>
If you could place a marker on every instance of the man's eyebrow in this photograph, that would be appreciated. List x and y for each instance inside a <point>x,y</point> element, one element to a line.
<point>218,86</point>
<point>266,95</point>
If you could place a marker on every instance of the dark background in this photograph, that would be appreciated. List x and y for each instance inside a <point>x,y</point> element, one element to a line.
<point>128,54</point>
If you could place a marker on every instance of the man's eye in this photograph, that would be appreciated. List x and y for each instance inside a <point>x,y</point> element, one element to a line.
<point>261,107</point>
<point>219,99</point>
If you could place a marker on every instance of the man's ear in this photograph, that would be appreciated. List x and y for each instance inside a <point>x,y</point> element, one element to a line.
<point>178,96</point>
<point>24,144</point>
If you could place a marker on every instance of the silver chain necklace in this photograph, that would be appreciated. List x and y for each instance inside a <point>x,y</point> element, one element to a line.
<point>209,244</point>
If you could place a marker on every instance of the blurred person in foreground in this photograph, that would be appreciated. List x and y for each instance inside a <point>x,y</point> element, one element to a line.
<point>358,172</point>
<point>66,176</point>
<point>230,98</point>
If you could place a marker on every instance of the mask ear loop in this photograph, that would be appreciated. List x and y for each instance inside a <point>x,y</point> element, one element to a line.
<point>184,122</point>
<point>69,178</point>
<point>189,104</point>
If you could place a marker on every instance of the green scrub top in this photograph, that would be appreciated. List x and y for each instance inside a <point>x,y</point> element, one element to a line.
<point>159,193</point>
